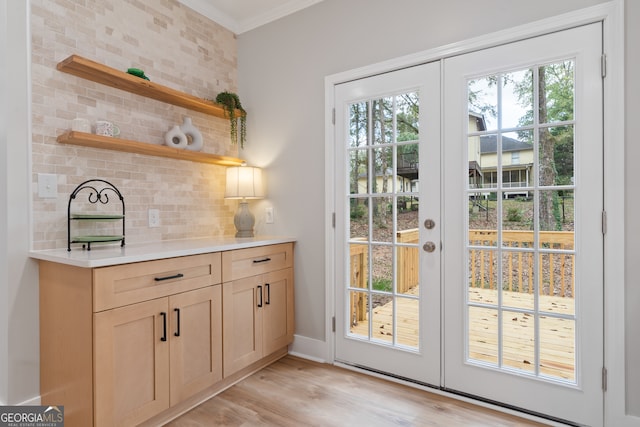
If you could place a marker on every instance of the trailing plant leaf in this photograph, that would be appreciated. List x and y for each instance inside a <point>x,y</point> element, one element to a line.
<point>231,103</point>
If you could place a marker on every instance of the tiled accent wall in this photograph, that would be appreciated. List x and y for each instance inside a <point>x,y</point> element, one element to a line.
<point>176,47</point>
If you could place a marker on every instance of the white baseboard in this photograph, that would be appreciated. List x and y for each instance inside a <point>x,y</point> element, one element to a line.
<point>34,401</point>
<point>309,348</point>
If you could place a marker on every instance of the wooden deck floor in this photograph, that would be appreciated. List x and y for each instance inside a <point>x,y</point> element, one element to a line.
<point>557,336</point>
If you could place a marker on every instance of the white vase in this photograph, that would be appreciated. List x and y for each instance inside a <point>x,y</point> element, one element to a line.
<point>175,138</point>
<point>193,135</point>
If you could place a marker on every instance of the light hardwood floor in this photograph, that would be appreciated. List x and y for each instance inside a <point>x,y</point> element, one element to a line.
<point>298,392</point>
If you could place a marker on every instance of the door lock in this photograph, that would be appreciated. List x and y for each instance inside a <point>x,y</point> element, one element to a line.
<point>429,247</point>
<point>429,224</point>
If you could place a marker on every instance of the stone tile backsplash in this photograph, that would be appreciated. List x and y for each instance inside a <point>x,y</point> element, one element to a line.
<point>176,47</point>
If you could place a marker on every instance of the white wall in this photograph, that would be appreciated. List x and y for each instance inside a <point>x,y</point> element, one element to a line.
<point>19,339</point>
<point>282,67</point>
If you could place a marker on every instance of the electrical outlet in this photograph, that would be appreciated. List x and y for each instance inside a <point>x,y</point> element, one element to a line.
<point>268,212</point>
<point>47,185</point>
<point>154,218</point>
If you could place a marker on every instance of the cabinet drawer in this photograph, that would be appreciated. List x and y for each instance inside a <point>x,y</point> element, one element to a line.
<point>130,283</point>
<point>242,263</point>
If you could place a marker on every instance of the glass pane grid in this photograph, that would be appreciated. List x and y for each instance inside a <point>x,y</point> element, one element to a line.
<point>521,248</point>
<point>383,166</point>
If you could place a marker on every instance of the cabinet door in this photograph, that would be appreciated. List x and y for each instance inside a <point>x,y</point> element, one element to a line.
<point>131,363</point>
<point>277,326</point>
<point>242,323</point>
<point>196,341</point>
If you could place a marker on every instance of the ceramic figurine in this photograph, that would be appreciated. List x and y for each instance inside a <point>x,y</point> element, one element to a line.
<point>175,138</point>
<point>193,134</point>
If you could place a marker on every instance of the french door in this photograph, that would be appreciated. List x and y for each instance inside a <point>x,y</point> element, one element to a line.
<point>523,256</point>
<point>470,257</point>
<point>388,172</point>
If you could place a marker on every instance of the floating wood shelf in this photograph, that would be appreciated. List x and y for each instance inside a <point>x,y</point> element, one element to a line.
<point>108,143</point>
<point>96,72</point>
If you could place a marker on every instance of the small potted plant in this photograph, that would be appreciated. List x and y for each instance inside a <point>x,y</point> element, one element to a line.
<point>231,103</point>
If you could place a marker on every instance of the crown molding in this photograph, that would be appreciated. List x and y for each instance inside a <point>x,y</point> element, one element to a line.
<point>239,26</point>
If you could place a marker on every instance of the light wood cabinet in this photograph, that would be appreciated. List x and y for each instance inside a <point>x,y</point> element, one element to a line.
<point>131,364</point>
<point>155,354</point>
<point>140,343</point>
<point>257,310</point>
<point>156,337</point>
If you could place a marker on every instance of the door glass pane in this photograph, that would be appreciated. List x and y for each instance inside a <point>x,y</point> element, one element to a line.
<point>382,325</point>
<point>382,119</point>
<point>408,321</point>
<point>518,351</point>
<point>483,104</point>
<point>517,99</point>
<point>482,344</point>
<point>556,149</point>
<point>358,121</point>
<point>557,348</point>
<point>383,170</point>
<point>384,220</point>
<point>483,218</point>
<point>517,283</point>
<point>358,308</point>
<point>358,171</point>
<point>359,218</point>
<point>556,91</point>
<point>521,193</point>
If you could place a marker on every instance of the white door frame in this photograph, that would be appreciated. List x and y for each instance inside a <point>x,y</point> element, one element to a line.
<point>612,15</point>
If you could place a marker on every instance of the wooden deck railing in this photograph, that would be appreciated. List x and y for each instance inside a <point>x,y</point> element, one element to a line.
<point>407,270</point>
<point>556,270</point>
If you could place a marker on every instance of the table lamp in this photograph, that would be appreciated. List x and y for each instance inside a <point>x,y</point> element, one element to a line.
<point>244,182</point>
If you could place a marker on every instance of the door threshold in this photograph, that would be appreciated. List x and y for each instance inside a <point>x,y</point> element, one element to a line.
<point>458,395</point>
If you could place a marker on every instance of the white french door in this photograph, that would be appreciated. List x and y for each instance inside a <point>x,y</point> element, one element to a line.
<point>471,257</point>
<point>523,252</point>
<point>388,180</point>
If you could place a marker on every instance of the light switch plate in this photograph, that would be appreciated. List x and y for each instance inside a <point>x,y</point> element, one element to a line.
<point>154,218</point>
<point>268,212</point>
<point>47,185</point>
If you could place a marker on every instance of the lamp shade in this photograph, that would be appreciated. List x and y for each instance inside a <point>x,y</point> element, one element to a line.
<point>244,182</point>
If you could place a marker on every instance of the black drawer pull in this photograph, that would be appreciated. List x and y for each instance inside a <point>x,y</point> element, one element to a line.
<point>175,276</point>
<point>268,287</point>
<point>260,294</point>
<point>258,261</point>
<point>164,326</point>
<point>177,332</point>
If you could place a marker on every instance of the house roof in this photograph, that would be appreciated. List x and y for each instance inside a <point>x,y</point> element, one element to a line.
<point>489,144</point>
<point>481,124</point>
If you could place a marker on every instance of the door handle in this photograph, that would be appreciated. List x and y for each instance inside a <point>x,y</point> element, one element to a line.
<point>260,294</point>
<point>268,289</point>
<point>429,247</point>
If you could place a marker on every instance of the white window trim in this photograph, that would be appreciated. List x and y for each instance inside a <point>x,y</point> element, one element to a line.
<point>612,14</point>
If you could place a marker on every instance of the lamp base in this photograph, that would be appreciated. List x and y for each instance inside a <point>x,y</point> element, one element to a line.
<point>244,220</point>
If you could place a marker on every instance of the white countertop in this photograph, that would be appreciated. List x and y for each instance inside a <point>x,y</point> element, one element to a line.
<point>105,255</point>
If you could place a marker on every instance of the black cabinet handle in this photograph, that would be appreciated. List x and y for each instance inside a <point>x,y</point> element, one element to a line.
<point>268,286</point>
<point>258,261</point>
<point>177,332</point>
<point>175,276</point>
<point>260,294</point>
<point>164,326</point>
